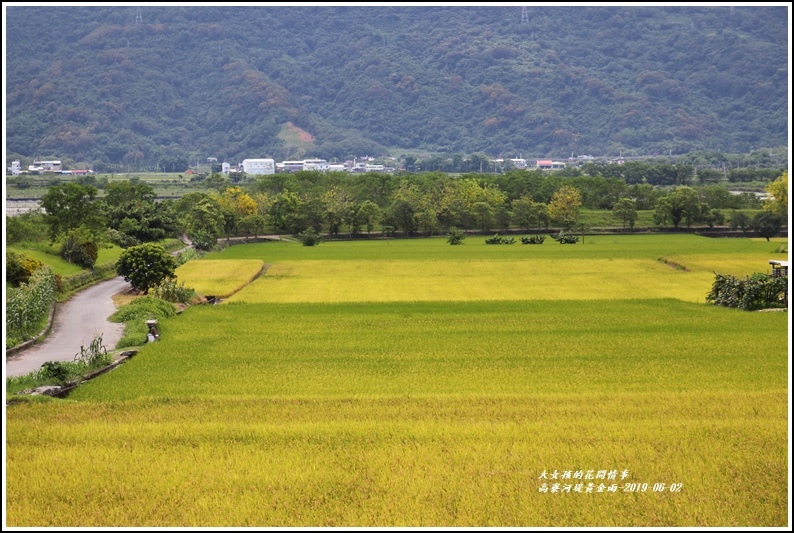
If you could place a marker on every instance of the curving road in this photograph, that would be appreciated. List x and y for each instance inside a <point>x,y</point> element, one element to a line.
<point>76,323</point>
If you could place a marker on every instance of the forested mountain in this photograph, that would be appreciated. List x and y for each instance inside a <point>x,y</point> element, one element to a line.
<point>117,85</point>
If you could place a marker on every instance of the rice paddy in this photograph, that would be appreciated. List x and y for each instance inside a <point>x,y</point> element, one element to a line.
<point>220,278</point>
<point>412,383</point>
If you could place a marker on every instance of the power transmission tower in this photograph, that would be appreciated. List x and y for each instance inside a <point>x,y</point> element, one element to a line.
<point>524,15</point>
<point>138,16</point>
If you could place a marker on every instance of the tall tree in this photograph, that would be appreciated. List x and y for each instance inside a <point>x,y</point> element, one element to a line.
<point>564,206</point>
<point>625,211</point>
<point>778,189</point>
<point>69,206</point>
<point>145,266</point>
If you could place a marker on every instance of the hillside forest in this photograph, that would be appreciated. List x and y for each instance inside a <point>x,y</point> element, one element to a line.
<point>106,86</point>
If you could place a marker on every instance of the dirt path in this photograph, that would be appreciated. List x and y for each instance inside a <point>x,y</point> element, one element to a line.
<point>76,323</point>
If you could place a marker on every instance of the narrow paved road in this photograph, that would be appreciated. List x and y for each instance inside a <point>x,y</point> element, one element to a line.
<point>76,323</point>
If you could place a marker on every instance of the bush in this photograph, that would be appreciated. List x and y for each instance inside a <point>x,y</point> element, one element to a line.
<point>170,291</point>
<point>758,291</point>
<point>562,238</point>
<point>188,254</point>
<point>455,236</point>
<point>122,240</point>
<point>496,239</point>
<point>20,267</point>
<point>533,239</point>
<point>309,237</point>
<point>80,248</point>
<point>203,239</point>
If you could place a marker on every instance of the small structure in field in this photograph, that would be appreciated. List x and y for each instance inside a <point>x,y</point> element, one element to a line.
<point>779,268</point>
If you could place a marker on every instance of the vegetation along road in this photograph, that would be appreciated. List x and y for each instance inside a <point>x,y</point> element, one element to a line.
<point>77,322</point>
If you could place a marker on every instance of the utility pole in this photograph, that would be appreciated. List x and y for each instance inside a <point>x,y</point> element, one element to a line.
<point>138,16</point>
<point>524,15</point>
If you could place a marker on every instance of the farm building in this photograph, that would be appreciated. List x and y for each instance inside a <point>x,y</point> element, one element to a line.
<point>259,166</point>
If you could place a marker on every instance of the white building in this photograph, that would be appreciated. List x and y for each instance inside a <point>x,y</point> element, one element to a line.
<point>316,164</point>
<point>293,166</point>
<point>15,168</point>
<point>45,166</point>
<point>225,168</point>
<point>259,166</point>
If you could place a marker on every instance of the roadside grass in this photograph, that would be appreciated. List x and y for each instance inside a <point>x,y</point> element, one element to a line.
<point>48,254</point>
<point>219,277</point>
<point>134,315</point>
<point>419,414</point>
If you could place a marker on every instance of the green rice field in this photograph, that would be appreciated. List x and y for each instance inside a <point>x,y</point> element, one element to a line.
<point>412,383</point>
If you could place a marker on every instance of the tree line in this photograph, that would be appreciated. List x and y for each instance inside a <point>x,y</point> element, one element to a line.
<point>128,213</point>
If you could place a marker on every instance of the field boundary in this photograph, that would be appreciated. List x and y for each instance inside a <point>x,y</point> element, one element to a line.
<point>262,272</point>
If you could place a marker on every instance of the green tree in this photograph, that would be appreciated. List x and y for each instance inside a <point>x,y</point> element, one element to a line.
<point>625,211</point>
<point>69,206</point>
<point>369,214</point>
<point>204,222</point>
<point>483,215</point>
<point>286,212</point>
<point>528,213</point>
<point>131,209</point>
<point>80,247</point>
<point>740,221</point>
<point>766,224</point>
<point>778,189</point>
<point>146,266</point>
<point>683,204</point>
<point>564,206</point>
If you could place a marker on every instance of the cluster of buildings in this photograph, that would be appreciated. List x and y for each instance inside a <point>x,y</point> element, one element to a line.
<point>270,166</point>
<point>53,167</point>
<point>542,164</point>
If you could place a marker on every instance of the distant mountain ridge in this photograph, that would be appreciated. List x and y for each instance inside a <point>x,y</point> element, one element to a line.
<point>96,84</point>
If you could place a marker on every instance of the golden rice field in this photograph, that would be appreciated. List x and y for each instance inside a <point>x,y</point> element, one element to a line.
<point>414,384</point>
<point>220,278</point>
<point>472,280</point>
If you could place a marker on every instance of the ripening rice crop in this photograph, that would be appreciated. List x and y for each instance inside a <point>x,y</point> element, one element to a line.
<point>220,278</point>
<point>411,383</point>
<point>471,280</point>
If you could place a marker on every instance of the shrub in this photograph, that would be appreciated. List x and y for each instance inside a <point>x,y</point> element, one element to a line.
<point>758,291</point>
<point>95,356</point>
<point>309,237</point>
<point>80,248</point>
<point>496,239</point>
<point>562,238</point>
<point>20,267</point>
<point>170,291</point>
<point>122,240</point>
<point>533,239</point>
<point>455,236</point>
<point>188,254</point>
